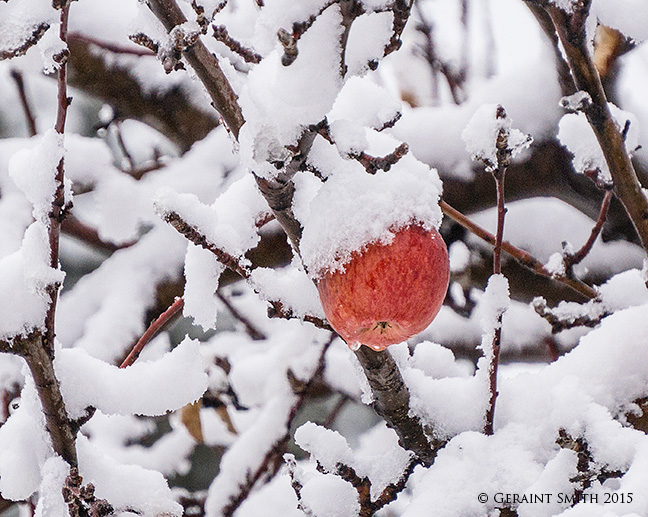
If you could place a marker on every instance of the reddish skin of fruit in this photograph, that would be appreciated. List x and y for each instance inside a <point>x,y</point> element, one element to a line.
<point>388,293</point>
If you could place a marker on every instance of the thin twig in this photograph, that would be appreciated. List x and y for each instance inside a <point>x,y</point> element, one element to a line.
<point>251,330</point>
<point>248,55</point>
<point>373,164</point>
<point>75,228</point>
<point>575,258</point>
<point>110,46</point>
<point>503,159</point>
<point>270,463</point>
<point>22,94</point>
<point>58,210</point>
<point>155,327</point>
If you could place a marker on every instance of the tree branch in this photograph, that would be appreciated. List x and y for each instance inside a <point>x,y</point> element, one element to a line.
<point>152,330</point>
<point>572,34</point>
<point>205,64</point>
<point>59,427</point>
<point>392,403</point>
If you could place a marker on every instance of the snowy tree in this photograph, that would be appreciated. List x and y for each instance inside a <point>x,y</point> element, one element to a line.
<point>178,179</point>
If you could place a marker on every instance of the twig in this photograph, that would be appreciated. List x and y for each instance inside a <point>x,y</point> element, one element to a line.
<point>122,146</point>
<point>401,10</point>
<point>586,472</point>
<point>37,33</point>
<point>271,459</point>
<point>523,257</point>
<point>363,486</point>
<point>22,94</point>
<point>109,46</point>
<point>594,312</point>
<point>81,499</point>
<point>289,39</point>
<point>155,327</point>
<point>334,413</point>
<point>248,55</point>
<point>251,330</point>
<point>239,266</point>
<point>454,79</point>
<point>194,235</point>
<point>37,348</point>
<point>503,160</point>
<point>74,228</point>
<point>205,64</point>
<point>58,210</point>
<point>40,362</point>
<point>373,164</point>
<point>572,34</point>
<point>575,258</point>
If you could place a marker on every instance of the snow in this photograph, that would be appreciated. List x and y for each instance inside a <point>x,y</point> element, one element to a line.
<point>50,502</point>
<point>126,487</point>
<point>318,491</point>
<point>541,225</point>
<point>279,101</point>
<point>354,209</point>
<point>482,133</point>
<point>369,35</point>
<point>142,389</point>
<point>292,286</point>
<point>34,171</point>
<point>25,277</point>
<point>578,137</point>
<point>24,446</point>
<point>202,272</point>
<point>121,289</point>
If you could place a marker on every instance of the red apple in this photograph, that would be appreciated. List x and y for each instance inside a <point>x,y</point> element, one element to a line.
<point>388,293</point>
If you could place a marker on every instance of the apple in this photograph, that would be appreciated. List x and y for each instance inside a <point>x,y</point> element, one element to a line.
<point>387,293</point>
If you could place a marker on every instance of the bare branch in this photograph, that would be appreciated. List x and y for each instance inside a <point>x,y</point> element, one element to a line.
<point>392,403</point>
<point>75,228</point>
<point>40,362</point>
<point>113,47</point>
<point>272,459</point>
<point>576,258</point>
<point>250,329</point>
<point>153,329</point>
<point>565,78</point>
<point>22,94</point>
<point>560,320</point>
